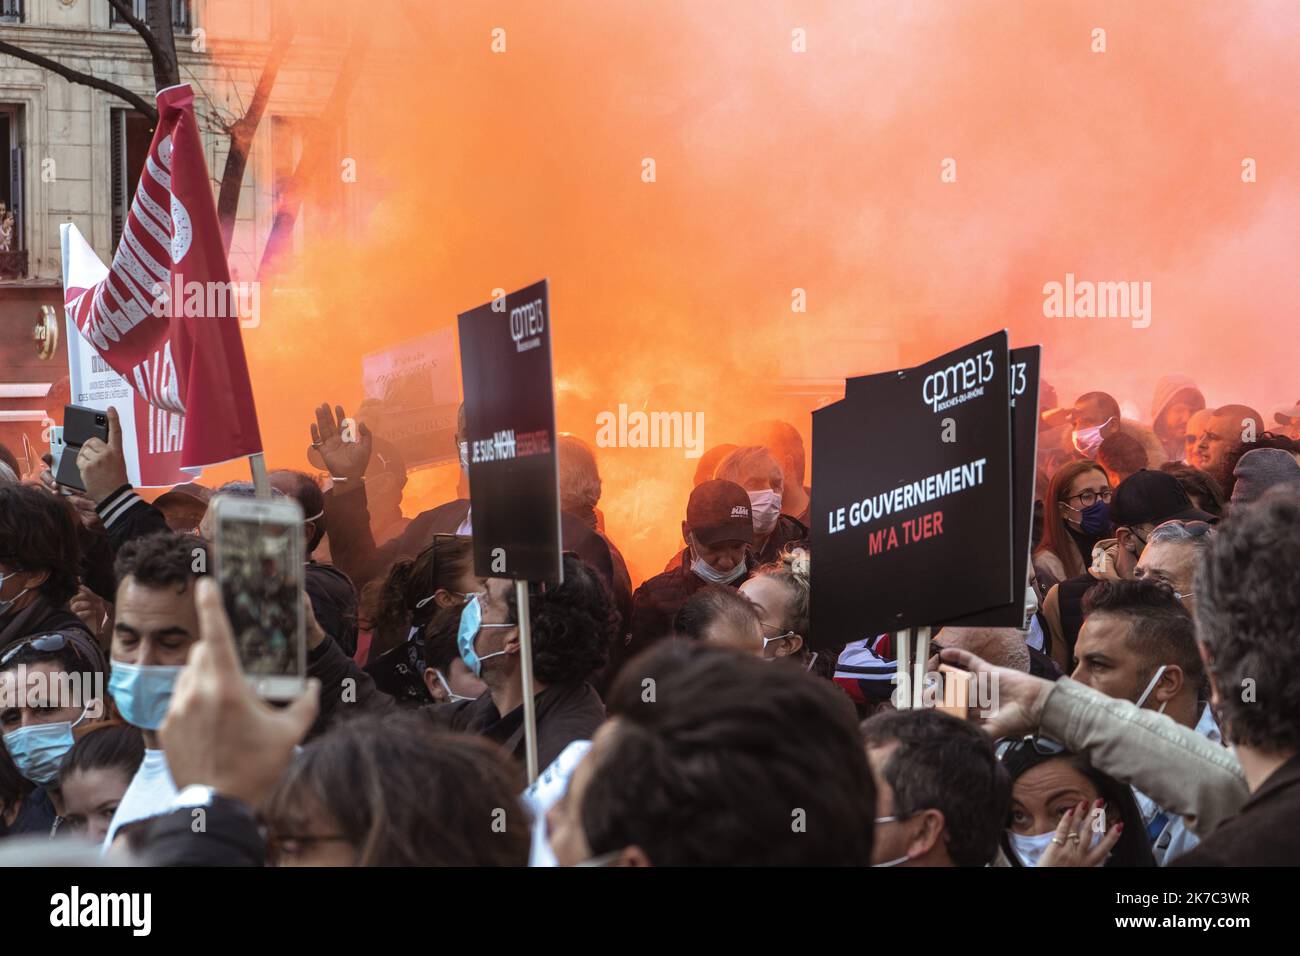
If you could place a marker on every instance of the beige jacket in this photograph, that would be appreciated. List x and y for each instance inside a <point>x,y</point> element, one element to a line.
<point>1182,771</point>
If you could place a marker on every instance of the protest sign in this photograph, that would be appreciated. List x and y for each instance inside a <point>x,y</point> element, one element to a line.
<point>151,436</point>
<point>911,511</point>
<point>416,388</point>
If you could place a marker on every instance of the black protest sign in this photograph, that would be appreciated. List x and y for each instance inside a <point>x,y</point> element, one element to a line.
<point>911,510</point>
<point>505,361</point>
<point>1025,364</point>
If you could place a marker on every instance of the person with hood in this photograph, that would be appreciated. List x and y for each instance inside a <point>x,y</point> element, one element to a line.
<point>1146,499</point>
<point>1176,400</point>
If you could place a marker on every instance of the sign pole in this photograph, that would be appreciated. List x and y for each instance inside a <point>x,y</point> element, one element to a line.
<point>261,483</point>
<point>526,676</point>
<point>922,652</point>
<point>902,657</point>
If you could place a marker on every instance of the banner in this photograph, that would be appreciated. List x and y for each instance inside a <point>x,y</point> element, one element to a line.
<point>505,361</point>
<point>417,385</point>
<point>166,315</point>
<point>151,436</point>
<point>911,510</point>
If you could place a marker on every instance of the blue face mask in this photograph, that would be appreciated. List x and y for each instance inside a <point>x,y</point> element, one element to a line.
<point>38,750</point>
<point>142,692</point>
<point>1095,519</point>
<point>471,620</point>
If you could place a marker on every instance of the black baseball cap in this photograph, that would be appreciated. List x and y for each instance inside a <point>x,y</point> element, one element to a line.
<point>719,511</point>
<point>1153,497</point>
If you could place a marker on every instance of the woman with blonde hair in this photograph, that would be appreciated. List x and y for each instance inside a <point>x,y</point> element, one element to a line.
<point>780,592</point>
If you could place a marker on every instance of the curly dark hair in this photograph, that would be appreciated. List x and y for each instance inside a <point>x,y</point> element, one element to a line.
<point>38,532</point>
<point>944,763</point>
<point>573,625</point>
<point>729,762</point>
<point>1247,604</point>
<point>405,794</point>
<point>164,559</point>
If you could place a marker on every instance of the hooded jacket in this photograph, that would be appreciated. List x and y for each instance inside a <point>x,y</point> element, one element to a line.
<point>1167,389</point>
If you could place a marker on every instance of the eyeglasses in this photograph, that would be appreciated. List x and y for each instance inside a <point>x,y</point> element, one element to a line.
<point>1043,746</point>
<point>1087,499</point>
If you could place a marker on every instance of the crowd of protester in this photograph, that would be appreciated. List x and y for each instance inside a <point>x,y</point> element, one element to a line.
<point>1146,714</point>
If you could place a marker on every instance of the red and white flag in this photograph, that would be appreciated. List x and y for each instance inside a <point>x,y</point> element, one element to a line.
<point>166,316</point>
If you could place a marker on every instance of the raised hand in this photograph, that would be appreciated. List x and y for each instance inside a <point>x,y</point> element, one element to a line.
<point>1018,698</point>
<point>218,732</point>
<point>345,454</point>
<point>102,465</point>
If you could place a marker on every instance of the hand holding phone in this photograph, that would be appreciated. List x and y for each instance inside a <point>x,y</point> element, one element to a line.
<point>260,565</point>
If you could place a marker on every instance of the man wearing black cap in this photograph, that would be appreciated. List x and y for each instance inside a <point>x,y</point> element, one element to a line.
<point>1142,501</point>
<point>718,531</point>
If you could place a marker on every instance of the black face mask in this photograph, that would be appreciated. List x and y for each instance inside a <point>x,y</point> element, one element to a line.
<point>400,671</point>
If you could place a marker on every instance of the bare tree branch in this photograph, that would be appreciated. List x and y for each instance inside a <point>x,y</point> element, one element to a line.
<point>244,129</point>
<point>156,51</point>
<point>85,79</point>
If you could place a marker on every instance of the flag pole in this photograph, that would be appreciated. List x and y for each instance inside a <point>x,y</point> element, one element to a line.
<point>261,483</point>
<point>526,677</point>
<point>902,656</point>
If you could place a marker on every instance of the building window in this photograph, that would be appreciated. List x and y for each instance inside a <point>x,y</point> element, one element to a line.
<point>130,136</point>
<point>11,11</point>
<point>140,9</point>
<point>13,249</point>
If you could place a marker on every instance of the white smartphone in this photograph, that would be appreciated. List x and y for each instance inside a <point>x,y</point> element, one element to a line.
<point>260,566</point>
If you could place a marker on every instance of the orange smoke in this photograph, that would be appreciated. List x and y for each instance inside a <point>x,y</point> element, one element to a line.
<point>778,170</point>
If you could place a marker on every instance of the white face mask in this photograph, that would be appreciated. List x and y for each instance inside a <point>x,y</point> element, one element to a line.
<point>1088,440</point>
<point>452,696</point>
<point>707,572</point>
<point>1152,686</point>
<point>897,861</point>
<point>1030,849</point>
<point>765,509</point>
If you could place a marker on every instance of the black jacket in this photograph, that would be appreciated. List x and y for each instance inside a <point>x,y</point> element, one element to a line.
<point>230,837</point>
<point>334,602</point>
<point>657,601</point>
<point>40,617</point>
<point>1265,833</point>
<point>565,713</point>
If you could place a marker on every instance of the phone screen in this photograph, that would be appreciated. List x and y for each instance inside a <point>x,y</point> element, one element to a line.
<point>260,567</point>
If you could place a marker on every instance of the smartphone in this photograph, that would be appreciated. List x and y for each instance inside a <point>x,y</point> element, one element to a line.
<point>80,424</point>
<point>260,565</point>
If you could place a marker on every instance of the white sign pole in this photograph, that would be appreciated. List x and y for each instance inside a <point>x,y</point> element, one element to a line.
<point>526,676</point>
